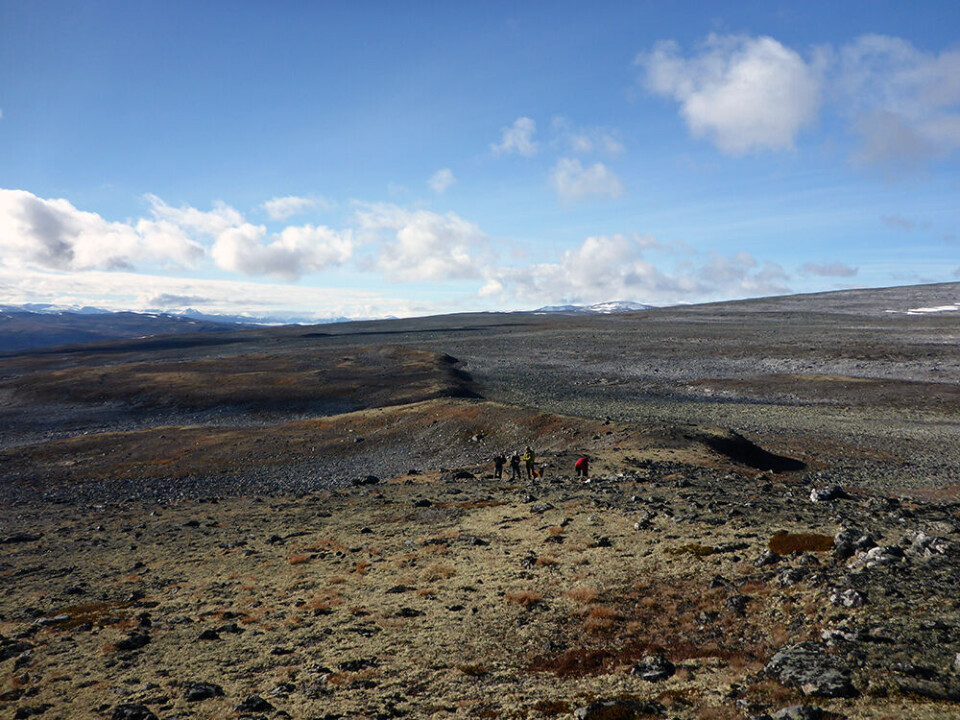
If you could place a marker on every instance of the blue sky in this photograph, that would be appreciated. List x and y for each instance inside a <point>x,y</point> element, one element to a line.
<point>314,160</point>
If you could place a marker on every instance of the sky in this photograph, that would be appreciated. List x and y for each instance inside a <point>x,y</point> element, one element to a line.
<point>312,160</point>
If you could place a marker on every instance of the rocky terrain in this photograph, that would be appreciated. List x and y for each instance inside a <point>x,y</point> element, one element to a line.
<point>303,522</point>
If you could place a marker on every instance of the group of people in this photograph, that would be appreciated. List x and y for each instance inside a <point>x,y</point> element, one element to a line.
<point>581,467</point>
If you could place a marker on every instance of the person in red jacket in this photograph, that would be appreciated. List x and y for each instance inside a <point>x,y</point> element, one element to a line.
<point>582,466</point>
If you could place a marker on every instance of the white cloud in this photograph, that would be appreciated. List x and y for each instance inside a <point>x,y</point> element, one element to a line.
<point>613,267</point>
<point>744,94</point>
<point>133,291</point>
<point>281,208</point>
<point>572,181</point>
<point>211,222</point>
<point>290,253</point>
<point>586,141</point>
<point>422,245</point>
<point>518,138</point>
<point>441,180</point>
<point>54,234</point>
<point>905,103</point>
<point>829,270</point>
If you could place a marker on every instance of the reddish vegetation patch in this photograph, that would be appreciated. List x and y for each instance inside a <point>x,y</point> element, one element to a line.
<point>789,543</point>
<point>665,616</point>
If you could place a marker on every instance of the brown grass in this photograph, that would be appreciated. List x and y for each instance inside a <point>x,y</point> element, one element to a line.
<point>583,594</point>
<point>525,598</point>
<point>298,558</point>
<point>438,572</point>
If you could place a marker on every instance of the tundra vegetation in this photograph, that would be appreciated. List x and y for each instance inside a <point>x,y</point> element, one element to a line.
<point>303,522</point>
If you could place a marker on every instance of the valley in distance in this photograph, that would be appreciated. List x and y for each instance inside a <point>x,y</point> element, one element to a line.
<point>303,522</point>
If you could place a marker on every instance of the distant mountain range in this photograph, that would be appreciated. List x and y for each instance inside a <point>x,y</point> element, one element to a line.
<point>605,308</point>
<point>34,326</point>
<point>29,329</point>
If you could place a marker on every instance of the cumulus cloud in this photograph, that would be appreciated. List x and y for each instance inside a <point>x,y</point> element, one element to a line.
<point>572,181</point>
<point>281,208</point>
<point>744,94</point>
<point>54,234</point>
<point>419,245</point>
<point>614,267</point>
<point>288,255</point>
<point>905,103</point>
<point>518,138</point>
<point>205,222</point>
<point>441,180</point>
<point>829,269</point>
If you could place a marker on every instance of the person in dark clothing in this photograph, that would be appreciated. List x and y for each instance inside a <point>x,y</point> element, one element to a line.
<point>498,462</point>
<point>515,466</point>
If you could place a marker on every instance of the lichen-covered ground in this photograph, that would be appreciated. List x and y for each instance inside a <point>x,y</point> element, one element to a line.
<point>430,596</point>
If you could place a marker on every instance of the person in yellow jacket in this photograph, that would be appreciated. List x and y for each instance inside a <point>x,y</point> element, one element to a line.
<point>529,458</point>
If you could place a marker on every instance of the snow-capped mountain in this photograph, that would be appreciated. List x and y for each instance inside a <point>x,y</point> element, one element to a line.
<point>605,308</point>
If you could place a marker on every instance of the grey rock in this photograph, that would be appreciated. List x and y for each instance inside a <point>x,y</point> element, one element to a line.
<point>768,557</point>
<point>849,598</point>
<point>885,555</point>
<point>828,494</point>
<point>808,666</point>
<point>132,711</point>
<point>791,576</point>
<point>799,712</point>
<point>654,668</point>
<point>922,545</point>
<point>254,703</point>
<point>135,641</point>
<point>197,691</point>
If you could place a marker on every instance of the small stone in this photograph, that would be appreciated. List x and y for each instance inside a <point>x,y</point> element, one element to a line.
<point>768,557</point>
<point>827,494</point>
<point>603,542</point>
<point>19,538</point>
<point>133,642</point>
<point>28,711</point>
<point>132,711</point>
<point>738,603</point>
<point>848,598</point>
<point>799,712</point>
<point>254,703</point>
<point>209,634</point>
<point>410,613</point>
<point>197,691</point>
<point>654,668</point>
